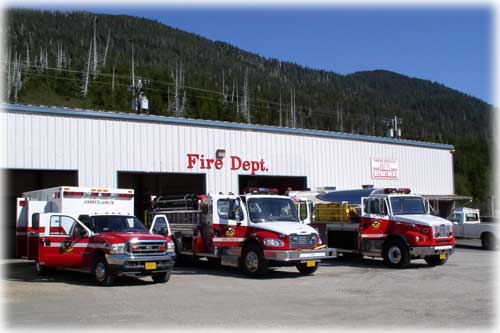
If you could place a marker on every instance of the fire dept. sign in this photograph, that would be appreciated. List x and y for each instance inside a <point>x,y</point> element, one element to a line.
<point>384,169</point>
<point>235,163</point>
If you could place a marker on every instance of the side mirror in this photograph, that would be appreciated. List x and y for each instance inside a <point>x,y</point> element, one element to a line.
<point>238,214</point>
<point>83,233</point>
<point>163,231</point>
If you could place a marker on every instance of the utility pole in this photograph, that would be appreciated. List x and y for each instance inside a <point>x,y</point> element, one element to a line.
<point>394,128</point>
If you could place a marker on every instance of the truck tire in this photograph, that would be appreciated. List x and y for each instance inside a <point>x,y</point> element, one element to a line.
<point>396,254</point>
<point>161,277</point>
<point>304,270</point>
<point>101,272</point>
<point>180,259</point>
<point>435,260</point>
<point>488,242</point>
<point>253,262</point>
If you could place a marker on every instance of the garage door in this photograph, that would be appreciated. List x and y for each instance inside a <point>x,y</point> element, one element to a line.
<point>146,184</point>
<point>282,183</point>
<point>23,180</point>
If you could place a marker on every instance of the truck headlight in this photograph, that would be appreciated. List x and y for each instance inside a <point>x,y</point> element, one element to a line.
<point>170,247</point>
<point>273,242</point>
<point>117,248</point>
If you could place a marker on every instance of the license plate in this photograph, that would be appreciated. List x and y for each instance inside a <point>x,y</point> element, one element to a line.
<point>442,256</point>
<point>311,263</point>
<point>150,265</point>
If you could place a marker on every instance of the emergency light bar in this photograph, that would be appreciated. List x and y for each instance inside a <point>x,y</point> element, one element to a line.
<point>73,194</point>
<point>397,190</point>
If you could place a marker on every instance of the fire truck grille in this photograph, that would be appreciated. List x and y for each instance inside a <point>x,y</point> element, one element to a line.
<point>297,241</point>
<point>442,231</point>
<point>146,248</point>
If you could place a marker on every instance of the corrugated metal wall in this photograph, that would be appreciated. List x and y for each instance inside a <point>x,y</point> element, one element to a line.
<point>98,148</point>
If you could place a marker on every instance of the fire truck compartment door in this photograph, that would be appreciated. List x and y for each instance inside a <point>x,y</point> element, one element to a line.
<point>65,242</point>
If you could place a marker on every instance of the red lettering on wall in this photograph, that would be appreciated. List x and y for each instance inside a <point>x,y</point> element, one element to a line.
<point>197,160</point>
<point>218,164</point>
<point>192,160</point>
<point>235,163</point>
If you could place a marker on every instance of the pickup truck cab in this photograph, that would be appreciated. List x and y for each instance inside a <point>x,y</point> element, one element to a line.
<point>467,224</point>
<point>104,245</point>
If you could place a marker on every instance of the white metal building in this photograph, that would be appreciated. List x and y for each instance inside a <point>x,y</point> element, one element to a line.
<point>45,147</point>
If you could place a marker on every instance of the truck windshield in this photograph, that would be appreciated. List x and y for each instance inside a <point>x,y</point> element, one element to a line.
<point>271,210</point>
<point>116,223</point>
<point>408,205</point>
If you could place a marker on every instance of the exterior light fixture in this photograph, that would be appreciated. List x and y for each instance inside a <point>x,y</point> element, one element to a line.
<point>220,153</point>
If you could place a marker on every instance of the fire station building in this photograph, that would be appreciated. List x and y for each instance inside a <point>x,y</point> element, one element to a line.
<point>43,147</point>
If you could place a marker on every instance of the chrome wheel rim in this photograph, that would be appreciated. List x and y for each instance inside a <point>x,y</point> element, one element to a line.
<point>100,271</point>
<point>252,261</point>
<point>394,254</point>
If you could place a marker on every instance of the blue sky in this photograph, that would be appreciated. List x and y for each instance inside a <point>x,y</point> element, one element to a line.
<point>449,45</point>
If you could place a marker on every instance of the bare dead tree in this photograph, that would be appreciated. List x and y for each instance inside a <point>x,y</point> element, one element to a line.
<point>18,74</point>
<point>232,93</point>
<point>293,115</point>
<point>85,85</point>
<point>59,60</point>
<point>106,50</point>
<point>180,93</point>
<point>28,64</point>
<point>133,68</point>
<point>280,113</point>
<point>246,99</point>
<point>94,65</point>
<point>224,95</point>
<point>9,75</point>
<point>113,80</point>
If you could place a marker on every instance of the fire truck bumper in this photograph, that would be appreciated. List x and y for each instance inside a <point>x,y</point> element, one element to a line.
<point>425,251</point>
<point>297,256</point>
<point>124,264</point>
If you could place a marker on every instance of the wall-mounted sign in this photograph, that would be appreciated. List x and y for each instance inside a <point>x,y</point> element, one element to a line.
<point>384,169</point>
<point>236,163</point>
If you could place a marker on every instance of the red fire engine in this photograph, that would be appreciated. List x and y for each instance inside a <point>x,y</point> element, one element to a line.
<point>251,231</point>
<point>386,222</point>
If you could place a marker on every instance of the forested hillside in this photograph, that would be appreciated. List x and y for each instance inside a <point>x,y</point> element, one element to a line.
<point>80,59</point>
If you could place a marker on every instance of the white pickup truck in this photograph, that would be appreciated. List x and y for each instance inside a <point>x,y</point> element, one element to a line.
<point>467,224</point>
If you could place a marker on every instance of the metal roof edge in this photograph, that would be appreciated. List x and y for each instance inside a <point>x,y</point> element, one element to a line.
<point>214,123</point>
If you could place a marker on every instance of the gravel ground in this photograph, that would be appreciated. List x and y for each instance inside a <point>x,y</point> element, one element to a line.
<point>344,293</point>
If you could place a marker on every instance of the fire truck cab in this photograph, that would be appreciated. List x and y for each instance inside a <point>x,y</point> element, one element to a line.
<point>389,223</point>
<point>252,232</point>
<point>91,230</point>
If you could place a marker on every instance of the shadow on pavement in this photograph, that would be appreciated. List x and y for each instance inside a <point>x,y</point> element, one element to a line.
<point>206,268</point>
<point>361,262</point>
<point>25,272</point>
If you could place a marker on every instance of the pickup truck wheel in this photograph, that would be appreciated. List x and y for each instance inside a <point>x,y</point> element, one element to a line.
<point>161,277</point>
<point>304,270</point>
<point>396,254</point>
<point>253,262</point>
<point>488,242</point>
<point>435,260</point>
<point>101,272</point>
